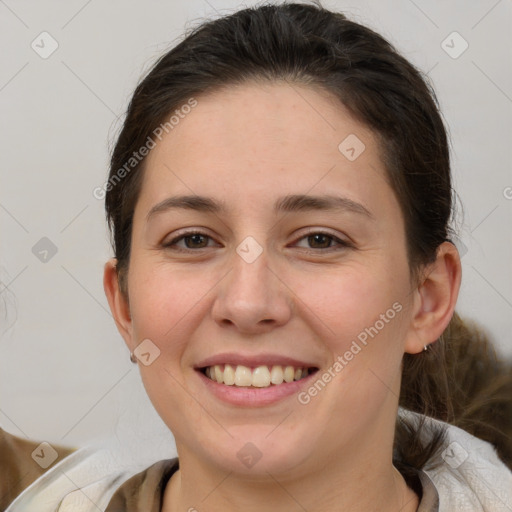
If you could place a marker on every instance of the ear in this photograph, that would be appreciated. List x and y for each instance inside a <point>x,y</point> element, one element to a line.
<point>435,299</point>
<point>117,301</point>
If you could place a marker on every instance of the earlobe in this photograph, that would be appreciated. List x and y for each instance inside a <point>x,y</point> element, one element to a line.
<point>436,297</point>
<point>117,301</point>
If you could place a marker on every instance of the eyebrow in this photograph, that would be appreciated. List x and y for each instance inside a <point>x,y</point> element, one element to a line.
<point>289,203</point>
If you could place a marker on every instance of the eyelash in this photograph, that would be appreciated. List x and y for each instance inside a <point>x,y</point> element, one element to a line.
<point>342,244</point>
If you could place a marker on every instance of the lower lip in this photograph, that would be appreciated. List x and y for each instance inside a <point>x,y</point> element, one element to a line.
<point>251,396</point>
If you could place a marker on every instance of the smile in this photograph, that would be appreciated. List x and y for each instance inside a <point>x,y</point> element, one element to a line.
<point>258,377</point>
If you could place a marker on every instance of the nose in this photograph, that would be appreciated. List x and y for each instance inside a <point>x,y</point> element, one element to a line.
<point>253,297</point>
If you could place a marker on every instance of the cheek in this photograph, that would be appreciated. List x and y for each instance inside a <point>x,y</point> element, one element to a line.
<point>163,303</point>
<point>349,300</point>
<point>360,315</point>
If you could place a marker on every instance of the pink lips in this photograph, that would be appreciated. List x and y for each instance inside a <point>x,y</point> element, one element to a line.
<point>253,361</point>
<point>254,397</point>
<point>250,396</point>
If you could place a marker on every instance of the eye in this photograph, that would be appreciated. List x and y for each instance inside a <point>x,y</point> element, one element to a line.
<point>317,240</point>
<point>192,240</point>
<point>320,240</point>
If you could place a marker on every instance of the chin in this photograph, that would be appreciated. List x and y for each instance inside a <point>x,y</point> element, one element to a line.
<point>257,451</point>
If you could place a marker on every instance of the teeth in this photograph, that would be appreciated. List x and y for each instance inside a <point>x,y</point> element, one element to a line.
<point>259,377</point>
<point>219,375</point>
<point>229,374</point>
<point>243,376</point>
<point>289,374</point>
<point>276,375</point>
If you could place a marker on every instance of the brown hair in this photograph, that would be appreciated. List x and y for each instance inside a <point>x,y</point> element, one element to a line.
<point>310,45</point>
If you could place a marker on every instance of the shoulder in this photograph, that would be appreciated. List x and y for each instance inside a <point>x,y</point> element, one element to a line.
<point>467,472</point>
<point>100,477</point>
<point>144,491</point>
<point>22,462</point>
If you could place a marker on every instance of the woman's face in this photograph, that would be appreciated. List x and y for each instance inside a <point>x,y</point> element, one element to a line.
<point>300,261</point>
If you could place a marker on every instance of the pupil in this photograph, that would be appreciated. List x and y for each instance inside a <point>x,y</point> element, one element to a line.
<point>196,239</point>
<point>314,238</point>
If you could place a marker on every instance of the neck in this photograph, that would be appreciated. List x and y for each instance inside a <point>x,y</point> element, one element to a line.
<point>337,487</point>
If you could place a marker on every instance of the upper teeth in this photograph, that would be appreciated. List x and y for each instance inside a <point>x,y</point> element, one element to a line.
<point>259,377</point>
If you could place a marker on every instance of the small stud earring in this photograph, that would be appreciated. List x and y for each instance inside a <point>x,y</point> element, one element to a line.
<point>133,358</point>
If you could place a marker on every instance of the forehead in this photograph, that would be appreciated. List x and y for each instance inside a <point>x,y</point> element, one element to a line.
<point>269,118</point>
<point>253,139</point>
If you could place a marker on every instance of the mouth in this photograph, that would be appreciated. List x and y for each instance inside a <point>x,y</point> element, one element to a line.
<point>262,376</point>
<point>254,380</point>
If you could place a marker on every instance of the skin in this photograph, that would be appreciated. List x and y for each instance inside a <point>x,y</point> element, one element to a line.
<point>307,298</point>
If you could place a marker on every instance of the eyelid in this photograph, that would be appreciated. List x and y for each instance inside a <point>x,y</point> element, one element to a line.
<point>342,242</point>
<point>177,237</point>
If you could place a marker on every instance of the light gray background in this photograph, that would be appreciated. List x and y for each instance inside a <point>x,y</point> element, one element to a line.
<point>65,375</point>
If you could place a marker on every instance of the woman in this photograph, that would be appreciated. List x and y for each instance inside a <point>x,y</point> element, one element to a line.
<point>280,199</point>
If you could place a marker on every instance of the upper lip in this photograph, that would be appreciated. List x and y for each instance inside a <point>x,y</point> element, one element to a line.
<point>235,359</point>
